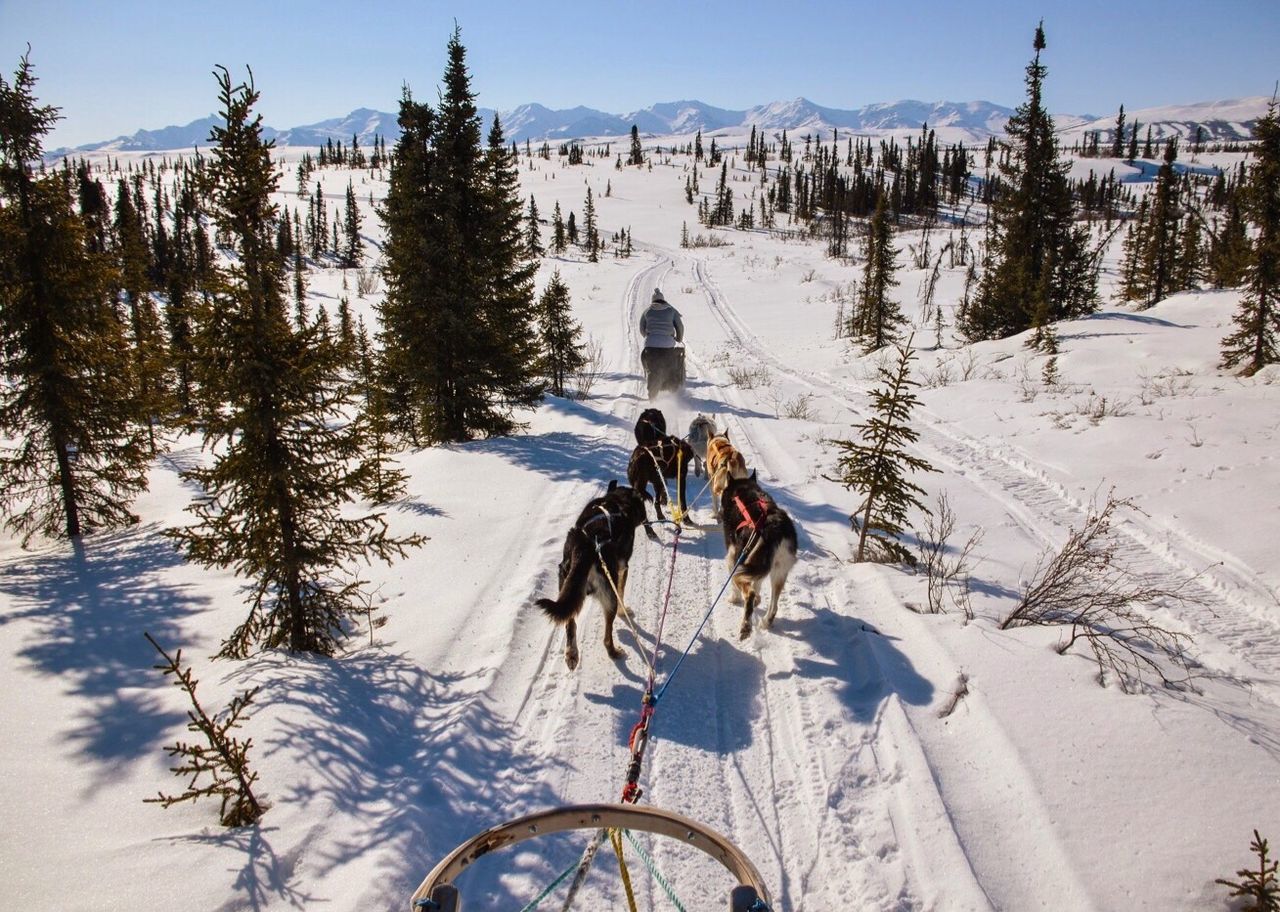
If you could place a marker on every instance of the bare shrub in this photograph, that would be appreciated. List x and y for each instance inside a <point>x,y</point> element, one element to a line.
<point>1028,386</point>
<point>969,365</point>
<point>1173,383</point>
<point>708,240</point>
<point>594,364</point>
<point>749,376</point>
<point>808,276</point>
<point>941,375</point>
<point>945,574</point>
<point>799,407</point>
<point>368,280</point>
<point>1096,407</point>
<point>1085,588</point>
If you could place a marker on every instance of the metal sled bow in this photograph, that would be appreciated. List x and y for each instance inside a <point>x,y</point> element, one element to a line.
<point>438,893</point>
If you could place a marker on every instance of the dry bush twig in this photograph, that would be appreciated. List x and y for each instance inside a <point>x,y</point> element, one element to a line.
<point>1084,588</point>
<point>943,574</point>
<point>594,364</point>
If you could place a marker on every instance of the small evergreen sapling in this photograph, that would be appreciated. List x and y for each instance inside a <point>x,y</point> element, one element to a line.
<point>220,768</point>
<point>1260,885</point>
<point>879,464</point>
<point>561,335</point>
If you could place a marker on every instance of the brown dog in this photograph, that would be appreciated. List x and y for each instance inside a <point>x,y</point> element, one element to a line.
<point>723,463</point>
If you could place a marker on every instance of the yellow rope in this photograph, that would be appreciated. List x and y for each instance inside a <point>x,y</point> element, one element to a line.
<point>615,836</point>
<point>676,513</point>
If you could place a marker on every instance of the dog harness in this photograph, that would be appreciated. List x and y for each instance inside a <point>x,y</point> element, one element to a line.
<point>747,521</point>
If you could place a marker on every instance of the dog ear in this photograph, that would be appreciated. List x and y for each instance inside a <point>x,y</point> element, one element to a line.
<point>613,483</point>
<point>752,476</point>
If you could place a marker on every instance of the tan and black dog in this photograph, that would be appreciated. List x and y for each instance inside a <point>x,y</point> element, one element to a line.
<point>762,533</point>
<point>724,462</point>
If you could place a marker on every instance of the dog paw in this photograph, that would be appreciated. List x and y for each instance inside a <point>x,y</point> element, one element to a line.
<point>614,652</point>
<point>571,658</point>
<point>745,631</point>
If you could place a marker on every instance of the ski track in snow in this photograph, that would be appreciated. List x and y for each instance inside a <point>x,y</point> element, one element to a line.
<point>1228,605</point>
<point>1227,602</point>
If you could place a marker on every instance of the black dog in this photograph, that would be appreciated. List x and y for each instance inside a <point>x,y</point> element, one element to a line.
<point>668,457</point>
<point>754,523</point>
<point>650,426</point>
<point>596,553</point>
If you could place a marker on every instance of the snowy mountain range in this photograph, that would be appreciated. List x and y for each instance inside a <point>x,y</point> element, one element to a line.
<point>970,122</point>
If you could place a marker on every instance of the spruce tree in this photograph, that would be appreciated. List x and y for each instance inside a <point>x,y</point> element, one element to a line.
<point>592,239</point>
<point>287,462</point>
<point>507,306</point>
<point>1040,263</point>
<point>1161,251</point>
<point>559,243</point>
<point>877,319</point>
<point>1256,341</point>
<point>459,347</point>
<point>385,481</point>
<point>1229,250</point>
<point>561,334</point>
<point>878,464</point>
<point>67,391</point>
<point>1117,141</point>
<point>533,234</point>
<point>352,250</point>
<point>636,156</point>
<point>149,358</point>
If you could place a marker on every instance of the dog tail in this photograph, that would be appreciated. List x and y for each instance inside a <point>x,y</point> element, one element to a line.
<point>568,603</point>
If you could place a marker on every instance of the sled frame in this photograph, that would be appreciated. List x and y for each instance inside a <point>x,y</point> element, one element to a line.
<point>438,890</point>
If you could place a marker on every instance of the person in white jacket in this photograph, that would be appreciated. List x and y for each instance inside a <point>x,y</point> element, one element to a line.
<point>662,328</point>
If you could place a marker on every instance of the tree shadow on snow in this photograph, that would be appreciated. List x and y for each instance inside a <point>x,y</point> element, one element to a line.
<point>405,765</point>
<point>89,604</point>
<point>264,876</point>
<point>561,455</point>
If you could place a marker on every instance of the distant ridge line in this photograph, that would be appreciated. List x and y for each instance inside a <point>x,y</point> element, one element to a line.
<point>971,122</point>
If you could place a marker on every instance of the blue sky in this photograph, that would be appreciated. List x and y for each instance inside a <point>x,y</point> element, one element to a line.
<point>115,67</point>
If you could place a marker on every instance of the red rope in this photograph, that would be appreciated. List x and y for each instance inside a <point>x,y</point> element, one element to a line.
<point>638,740</point>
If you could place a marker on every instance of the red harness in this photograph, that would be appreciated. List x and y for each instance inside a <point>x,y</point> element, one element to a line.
<point>747,521</point>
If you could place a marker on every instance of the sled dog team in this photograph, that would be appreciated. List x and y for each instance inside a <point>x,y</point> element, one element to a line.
<point>759,537</point>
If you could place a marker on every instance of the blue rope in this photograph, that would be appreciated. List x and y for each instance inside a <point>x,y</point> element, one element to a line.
<point>653,869</point>
<point>548,891</point>
<point>697,633</point>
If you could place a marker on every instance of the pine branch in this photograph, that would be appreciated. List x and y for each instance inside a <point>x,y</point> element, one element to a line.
<point>1259,885</point>
<point>224,760</point>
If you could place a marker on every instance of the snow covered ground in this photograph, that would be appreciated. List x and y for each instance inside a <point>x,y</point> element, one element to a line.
<point>823,747</point>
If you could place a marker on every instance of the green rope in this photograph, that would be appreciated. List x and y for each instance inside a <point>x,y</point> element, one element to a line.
<point>547,892</point>
<point>648,863</point>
